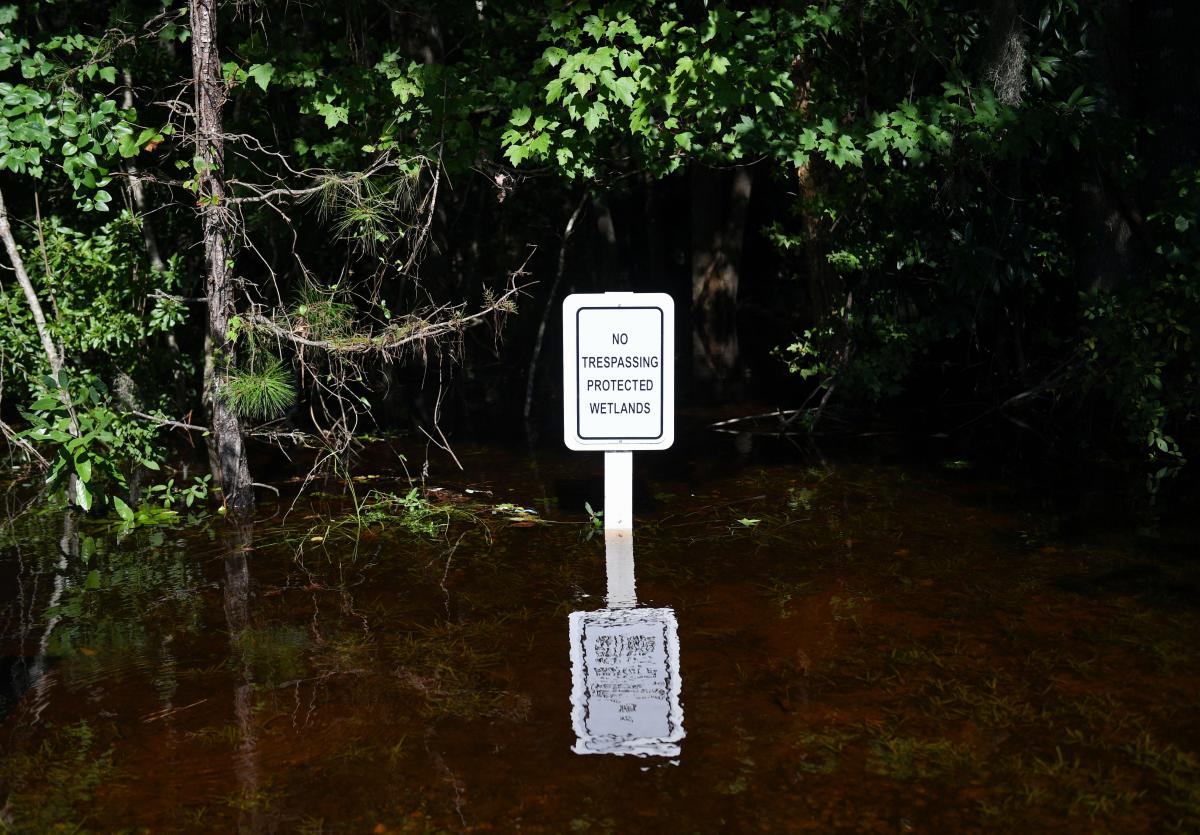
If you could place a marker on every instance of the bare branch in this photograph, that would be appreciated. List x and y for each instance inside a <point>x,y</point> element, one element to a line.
<point>415,330</point>
<point>174,424</point>
<point>275,192</point>
<point>419,244</point>
<point>30,451</point>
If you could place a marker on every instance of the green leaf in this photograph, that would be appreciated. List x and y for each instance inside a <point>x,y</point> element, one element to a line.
<point>516,154</point>
<point>262,74</point>
<point>83,496</point>
<point>583,82</point>
<point>625,87</point>
<point>84,469</point>
<point>520,116</point>
<point>591,119</point>
<point>334,115</point>
<point>92,582</point>
<point>123,510</point>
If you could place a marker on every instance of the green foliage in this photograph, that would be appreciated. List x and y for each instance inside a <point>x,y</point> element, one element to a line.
<point>369,211</point>
<point>736,84</point>
<point>265,393</point>
<point>160,504</point>
<point>49,117</point>
<point>169,494</point>
<point>1139,342</point>
<point>323,313</point>
<point>107,303</point>
<point>104,452</point>
<point>595,520</point>
<point>866,355</point>
<point>653,81</point>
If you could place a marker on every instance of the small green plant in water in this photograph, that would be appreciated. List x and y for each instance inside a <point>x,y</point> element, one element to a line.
<point>517,514</point>
<point>801,498</point>
<point>595,520</point>
<point>412,511</point>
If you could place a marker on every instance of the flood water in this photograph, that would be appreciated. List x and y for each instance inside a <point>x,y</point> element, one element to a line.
<point>820,642</point>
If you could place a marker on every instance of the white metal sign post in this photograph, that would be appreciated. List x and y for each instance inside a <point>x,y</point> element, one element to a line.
<point>618,386</point>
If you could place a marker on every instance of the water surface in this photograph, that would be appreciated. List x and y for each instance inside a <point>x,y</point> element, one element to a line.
<point>862,646</point>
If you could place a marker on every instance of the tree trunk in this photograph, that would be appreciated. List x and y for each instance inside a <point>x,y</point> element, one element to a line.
<point>1108,249</point>
<point>233,471</point>
<point>137,191</point>
<point>612,275</point>
<point>824,288</point>
<point>35,306</point>
<point>53,355</point>
<point>718,230</point>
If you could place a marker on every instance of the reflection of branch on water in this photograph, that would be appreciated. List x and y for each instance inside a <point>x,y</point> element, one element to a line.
<point>449,776</point>
<point>68,549</point>
<point>163,713</point>
<point>446,572</point>
<point>317,681</point>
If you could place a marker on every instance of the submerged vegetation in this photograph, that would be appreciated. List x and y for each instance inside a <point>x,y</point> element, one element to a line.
<point>53,787</point>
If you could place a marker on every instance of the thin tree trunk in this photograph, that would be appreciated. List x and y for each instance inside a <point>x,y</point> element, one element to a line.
<point>531,379</point>
<point>233,468</point>
<point>137,191</point>
<point>35,306</point>
<point>612,276</point>
<point>822,281</point>
<point>53,355</point>
<point>717,238</point>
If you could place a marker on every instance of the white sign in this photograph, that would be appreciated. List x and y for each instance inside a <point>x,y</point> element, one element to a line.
<point>625,682</point>
<point>618,371</point>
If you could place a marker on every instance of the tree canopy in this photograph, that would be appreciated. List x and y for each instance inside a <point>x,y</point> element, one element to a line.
<point>268,214</point>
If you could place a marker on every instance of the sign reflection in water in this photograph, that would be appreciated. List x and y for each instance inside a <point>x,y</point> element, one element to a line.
<point>625,678</point>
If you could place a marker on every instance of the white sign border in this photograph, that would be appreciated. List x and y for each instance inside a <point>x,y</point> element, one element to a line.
<point>572,304</point>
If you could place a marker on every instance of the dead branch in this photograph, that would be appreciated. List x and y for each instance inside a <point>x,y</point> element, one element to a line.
<point>419,245</point>
<point>174,424</point>
<point>30,451</point>
<point>415,330</point>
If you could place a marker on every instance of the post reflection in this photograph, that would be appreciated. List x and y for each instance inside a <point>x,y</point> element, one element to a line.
<point>625,678</point>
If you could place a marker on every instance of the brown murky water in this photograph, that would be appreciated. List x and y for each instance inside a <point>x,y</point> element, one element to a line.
<point>861,647</point>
